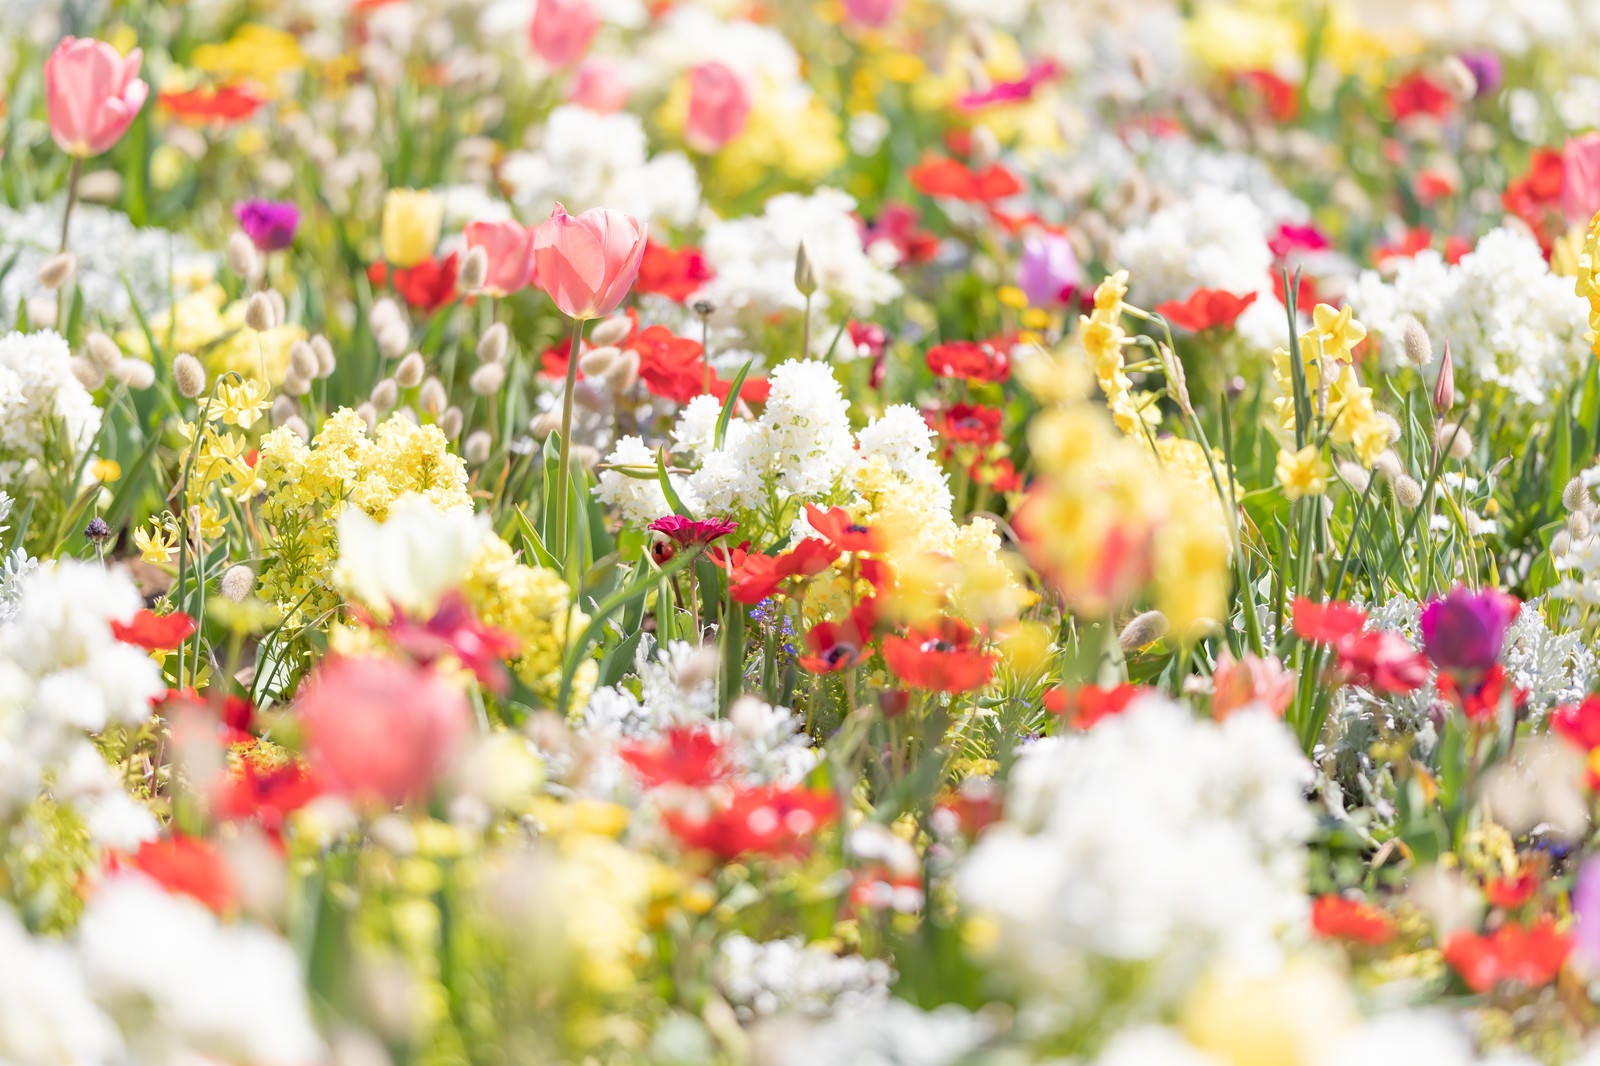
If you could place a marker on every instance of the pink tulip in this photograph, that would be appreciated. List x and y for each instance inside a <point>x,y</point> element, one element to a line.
<point>873,14</point>
<point>1240,683</point>
<point>378,730</point>
<point>600,87</point>
<point>719,106</point>
<point>92,93</point>
<point>509,246</point>
<point>587,263</point>
<point>1580,179</point>
<point>562,30</point>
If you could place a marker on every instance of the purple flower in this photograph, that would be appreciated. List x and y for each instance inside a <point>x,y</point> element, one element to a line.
<point>1464,632</point>
<point>270,224</point>
<point>1049,268</point>
<point>1586,908</point>
<point>1487,70</point>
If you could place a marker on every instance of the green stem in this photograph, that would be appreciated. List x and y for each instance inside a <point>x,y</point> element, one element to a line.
<point>66,223</point>
<point>564,487</point>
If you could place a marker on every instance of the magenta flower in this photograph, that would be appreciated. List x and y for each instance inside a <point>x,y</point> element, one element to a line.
<point>687,531</point>
<point>270,224</point>
<point>1464,632</point>
<point>1049,269</point>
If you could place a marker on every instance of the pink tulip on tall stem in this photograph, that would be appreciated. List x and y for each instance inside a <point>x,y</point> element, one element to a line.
<point>587,264</point>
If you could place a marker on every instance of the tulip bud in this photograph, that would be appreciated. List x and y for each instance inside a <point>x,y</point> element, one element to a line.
<point>89,375</point>
<point>1144,630</point>
<point>1575,497</point>
<point>188,375</point>
<point>487,379</point>
<point>474,271</point>
<point>476,449</point>
<point>433,397</point>
<point>393,340</point>
<point>1444,390</point>
<point>58,270</point>
<point>492,345</point>
<point>136,374</point>
<point>326,361</point>
<point>409,373</point>
<point>243,259</point>
<point>1418,347</point>
<point>805,279</point>
<point>260,314</point>
<point>238,581</point>
<point>610,331</point>
<point>302,360</point>
<point>450,422</point>
<point>103,351</point>
<point>385,394</point>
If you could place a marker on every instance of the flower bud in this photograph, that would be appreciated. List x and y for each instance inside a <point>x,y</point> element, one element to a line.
<point>1144,630</point>
<point>1407,492</point>
<point>58,270</point>
<point>1418,347</point>
<point>394,339</point>
<point>1575,497</point>
<point>409,373</point>
<point>610,331</point>
<point>474,271</point>
<point>188,375</point>
<point>492,345</point>
<point>136,374</point>
<point>260,314</point>
<point>385,394</point>
<point>88,373</point>
<point>433,397</point>
<point>487,379</point>
<point>327,362</point>
<point>805,279</point>
<point>1444,390</point>
<point>476,449</point>
<point>103,351</point>
<point>243,259</point>
<point>450,422</point>
<point>238,581</point>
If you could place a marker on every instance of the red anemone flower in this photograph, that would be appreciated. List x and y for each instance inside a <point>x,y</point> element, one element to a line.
<point>264,793</point>
<point>1530,956</point>
<point>1206,309</point>
<point>186,866</point>
<point>689,757</point>
<point>1087,704</point>
<point>1327,623</point>
<point>155,632</point>
<point>224,104</point>
<point>1509,893</point>
<point>677,275</point>
<point>944,657</point>
<point>1480,700</point>
<point>1579,723</point>
<point>1342,918</point>
<point>841,531</point>
<point>938,176</point>
<point>973,360</point>
<point>836,646</point>
<point>765,820</point>
<point>968,423</point>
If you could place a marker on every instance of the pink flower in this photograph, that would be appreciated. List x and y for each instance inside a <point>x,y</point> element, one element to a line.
<point>719,106</point>
<point>92,93</point>
<point>587,263</point>
<point>509,246</point>
<point>873,14</point>
<point>562,30</point>
<point>1580,179</point>
<point>600,87</point>
<point>378,730</point>
<point>1240,683</point>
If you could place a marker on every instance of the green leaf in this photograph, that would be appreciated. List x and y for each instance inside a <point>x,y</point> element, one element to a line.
<point>733,397</point>
<point>645,575</point>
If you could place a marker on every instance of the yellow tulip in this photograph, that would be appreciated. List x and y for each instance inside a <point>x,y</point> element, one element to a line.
<point>411,221</point>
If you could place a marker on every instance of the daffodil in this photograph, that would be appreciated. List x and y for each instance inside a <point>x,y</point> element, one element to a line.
<point>1303,473</point>
<point>157,542</point>
<point>242,403</point>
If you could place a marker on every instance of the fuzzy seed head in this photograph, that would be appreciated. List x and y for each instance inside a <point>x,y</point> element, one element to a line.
<point>302,360</point>
<point>260,314</point>
<point>1354,474</point>
<point>474,271</point>
<point>238,581</point>
<point>1418,348</point>
<point>1450,438</point>
<point>433,397</point>
<point>327,362</point>
<point>450,422</point>
<point>295,385</point>
<point>283,409</point>
<point>597,362</point>
<point>1144,630</point>
<point>393,340</point>
<point>385,394</point>
<point>409,373</point>
<point>610,331</point>
<point>492,345</point>
<point>243,259</point>
<point>58,270</point>
<point>476,449</point>
<point>487,379</point>
<point>1578,525</point>
<point>88,374</point>
<point>368,414</point>
<point>1407,492</point>
<point>136,374</point>
<point>102,350</point>
<point>1575,497</point>
<point>188,375</point>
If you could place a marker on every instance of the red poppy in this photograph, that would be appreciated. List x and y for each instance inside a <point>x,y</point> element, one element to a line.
<point>944,657</point>
<point>266,793</point>
<point>842,531</point>
<point>155,632</point>
<point>973,360</point>
<point>1383,661</point>
<point>1327,623</point>
<point>677,275</point>
<point>836,646</point>
<point>998,474</point>
<point>1431,186</point>
<point>765,820</point>
<point>808,558</point>
<point>1509,893</point>
<point>670,366</point>
<point>428,286</point>
<point>1342,918</point>
<point>688,757</point>
<point>1087,704</point>
<point>752,576</point>
<point>186,866</point>
<point>938,176</point>
<point>753,389</point>
<point>1530,956</point>
<point>1281,98</point>
<point>1535,197</point>
<point>235,715</point>
<point>224,104</point>
<point>1480,701</point>
<point>898,225</point>
<point>1579,723</point>
<point>968,423</point>
<point>1418,94</point>
<point>1206,309</point>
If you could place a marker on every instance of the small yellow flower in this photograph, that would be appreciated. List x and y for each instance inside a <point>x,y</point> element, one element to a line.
<point>157,543</point>
<point>1012,297</point>
<point>1337,330</point>
<point>105,471</point>
<point>1109,294</point>
<point>411,221</point>
<point>1303,473</point>
<point>242,403</point>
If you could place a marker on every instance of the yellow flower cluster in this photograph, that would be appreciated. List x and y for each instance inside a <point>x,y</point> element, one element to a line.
<point>1103,339</point>
<point>532,604</point>
<point>207,324</point>
<point>1588,279</point>
<point>261,55</point>
<point>1338,398</point>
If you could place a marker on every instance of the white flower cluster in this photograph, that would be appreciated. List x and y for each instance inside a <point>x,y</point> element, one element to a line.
<point>792,977</point>
<point>1510,322</point>
<point>46,1012</point>
<point>14,565</point>
<point>1512,27</point>
<point>754,261</point>
<point>1092,865</point>
<point>48,420</point>
<point>890,1033</point>
<point>585,159</point>
<point>1429,1036</point>
<point>114,256</point>
<point>63,674</point>
<point>691,34</point>
<point>1212,239</point>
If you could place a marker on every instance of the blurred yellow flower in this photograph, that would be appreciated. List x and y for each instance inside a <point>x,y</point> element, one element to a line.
<point>105,471</point>
<point>255,53</point>
<point>1302,473</point>
<point>411,221</point>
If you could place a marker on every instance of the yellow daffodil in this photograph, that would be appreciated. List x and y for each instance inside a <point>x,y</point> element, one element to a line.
<point>1302,473</point>
<point>157,543</point>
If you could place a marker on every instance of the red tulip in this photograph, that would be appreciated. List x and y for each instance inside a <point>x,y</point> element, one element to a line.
<point>92,93</point>
<point>599,86</point>
<point>509,246</point>
<point>587,263</point>
<point>719,106</point>
<point>562,30</point>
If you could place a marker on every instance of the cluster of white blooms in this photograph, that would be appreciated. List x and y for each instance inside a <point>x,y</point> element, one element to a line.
<point>62,672</point>
<point>1072,887</point>
<point>754,261</point>
<point>183,984</point>
<point>48,420</point>
<point>638,501</point>
<point>762,979</point>
<point>1212,239</point>
<point>1510,322</point>
<point>113,257</point>
<point>1006,14</point>
<point>691,34</point>
<point>1427,1036</point>
<point>14,565</point>
<point>890,1032</point>
<point>46,1012</point>
<point>585,159</point>
<point>1512,27</point>
<point>409,560</point>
